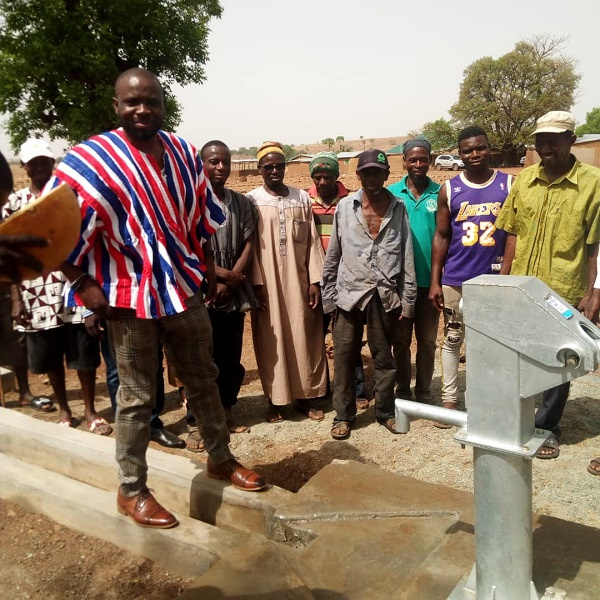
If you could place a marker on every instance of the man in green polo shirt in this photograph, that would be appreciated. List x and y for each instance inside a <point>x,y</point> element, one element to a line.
<point>419,194</point>
<point>552,218</point>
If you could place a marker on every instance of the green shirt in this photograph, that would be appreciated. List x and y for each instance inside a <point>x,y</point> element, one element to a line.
<point>421,216</point>
<point>554,224</point>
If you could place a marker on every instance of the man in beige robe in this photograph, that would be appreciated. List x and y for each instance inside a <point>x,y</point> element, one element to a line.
<point>288,331</point>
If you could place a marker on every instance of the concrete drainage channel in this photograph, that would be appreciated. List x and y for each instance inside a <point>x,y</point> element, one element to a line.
<point>352,532</point>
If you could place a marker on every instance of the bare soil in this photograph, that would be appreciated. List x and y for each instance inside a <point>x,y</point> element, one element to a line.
<point>42,559</point>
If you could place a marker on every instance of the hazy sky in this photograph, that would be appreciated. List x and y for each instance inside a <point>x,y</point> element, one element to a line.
<point>299,71</point>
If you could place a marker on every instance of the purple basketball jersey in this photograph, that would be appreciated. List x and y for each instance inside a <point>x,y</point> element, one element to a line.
<point>475,244</point>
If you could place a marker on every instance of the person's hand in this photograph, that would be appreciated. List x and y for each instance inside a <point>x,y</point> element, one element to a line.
<point>211,290</point>
<point>314,295</point>
<point>19,314</point>
<point>436,297</point>
<point>93,325</point>
<point>589,306</point>
<point>223,294</point>
<point>232,279</point>
<point>260,297</point>
<point>13,254</point>
<point>92,296</point>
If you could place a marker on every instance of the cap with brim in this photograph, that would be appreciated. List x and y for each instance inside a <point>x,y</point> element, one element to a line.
<point>372,158</point>
<point>555,121</point>
<point>33,148</point>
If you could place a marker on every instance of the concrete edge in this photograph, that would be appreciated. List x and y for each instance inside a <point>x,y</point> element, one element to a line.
<point>180,480</point>
<point>189,549</point>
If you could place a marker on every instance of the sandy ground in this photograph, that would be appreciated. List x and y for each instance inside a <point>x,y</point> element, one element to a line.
<point>40,558</point>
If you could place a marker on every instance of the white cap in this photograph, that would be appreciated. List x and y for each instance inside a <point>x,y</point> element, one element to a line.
<point>555,121</point>
<point>33,148</point>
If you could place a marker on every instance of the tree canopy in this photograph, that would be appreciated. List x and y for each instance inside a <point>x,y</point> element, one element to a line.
<point>59,59</point>
<point>505,96</point>
<point>592,122</point>
<point>441,134</point>
<point>328,142</point>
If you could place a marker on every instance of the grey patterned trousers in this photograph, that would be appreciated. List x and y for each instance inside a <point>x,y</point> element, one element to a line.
<point>187,340</point>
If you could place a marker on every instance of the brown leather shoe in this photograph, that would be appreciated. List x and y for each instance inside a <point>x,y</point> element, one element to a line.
<point>240,477</point>
<point>145,510</point>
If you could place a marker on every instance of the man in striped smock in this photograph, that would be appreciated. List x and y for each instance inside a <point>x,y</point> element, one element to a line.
<point>466,243</point>
<point>147,218</point>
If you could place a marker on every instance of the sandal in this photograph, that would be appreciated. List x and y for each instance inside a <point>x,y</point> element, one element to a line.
<point>194,441</point>
<point>362,404</point>
<point>100,426</point>
<point>232,425</point>
<point>274,414</point>
<point>72,422</point>
<point>551,447</point>
<point>594,470</point>
<point>236,427</point>
<point>389,424</point>
<point>340,430</point>
<point>314,414</point>
<point>41,403</point>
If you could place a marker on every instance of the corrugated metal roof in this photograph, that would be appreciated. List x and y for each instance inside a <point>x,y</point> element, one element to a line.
<point>588,137</point>
<point>399,149</point>
<point>349,154</point>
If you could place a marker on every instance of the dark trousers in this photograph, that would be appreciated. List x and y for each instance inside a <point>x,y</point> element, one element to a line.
<point>425,325</point>
<point>112,381</point>
<point>382,329</point>
<point>228,336</point>
<point>359,370</point>
<point>550,412</point>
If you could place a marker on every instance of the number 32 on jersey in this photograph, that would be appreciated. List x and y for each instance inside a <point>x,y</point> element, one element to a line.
<point>482,232</point>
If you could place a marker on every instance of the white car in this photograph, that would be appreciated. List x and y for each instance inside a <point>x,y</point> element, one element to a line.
<point>449,161</point>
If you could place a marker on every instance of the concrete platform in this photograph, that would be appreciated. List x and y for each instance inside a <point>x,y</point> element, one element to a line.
<point>352,532</point>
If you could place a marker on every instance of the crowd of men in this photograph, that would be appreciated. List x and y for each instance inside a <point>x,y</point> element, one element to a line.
<point>170,260</point>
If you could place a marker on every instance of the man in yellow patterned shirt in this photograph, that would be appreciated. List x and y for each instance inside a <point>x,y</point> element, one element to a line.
<point>552,218</point>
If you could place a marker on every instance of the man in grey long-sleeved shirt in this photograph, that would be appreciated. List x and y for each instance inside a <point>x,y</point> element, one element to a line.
<point>368,277</point>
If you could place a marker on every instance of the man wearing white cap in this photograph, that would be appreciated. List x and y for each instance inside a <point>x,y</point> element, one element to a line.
<point>54,331</point>
<point>552,220</point>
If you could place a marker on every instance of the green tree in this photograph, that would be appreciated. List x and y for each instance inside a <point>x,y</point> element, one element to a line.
<point>328,142</point>
<point>340,141</point>
<point>592,123</point>
<point>441,134</point>
<point>289,152</point>
<point>362,139</point>
<point>505,96</point>
<point>59,58</point>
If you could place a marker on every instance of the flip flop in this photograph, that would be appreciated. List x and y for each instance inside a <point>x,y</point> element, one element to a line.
<point>194,441</point>
<point>236,427</point>
<point>591,469</point>
<point>72,422</point>
<point>99,423</point>
<point>41,403</point>
<point>274,414</point>
<point>362,403</point>
<point>340,430</point>
<point>390,425</point>
<point>551,444</point>
<point>314,414</point>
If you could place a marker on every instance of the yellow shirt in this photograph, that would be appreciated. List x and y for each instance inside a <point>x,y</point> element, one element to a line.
<point>554,224</point>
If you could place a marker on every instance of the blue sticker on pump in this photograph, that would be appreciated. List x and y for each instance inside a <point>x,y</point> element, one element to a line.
<point>563,309</point>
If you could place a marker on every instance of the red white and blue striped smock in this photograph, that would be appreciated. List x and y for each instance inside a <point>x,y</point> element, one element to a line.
<point>142,228</point>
